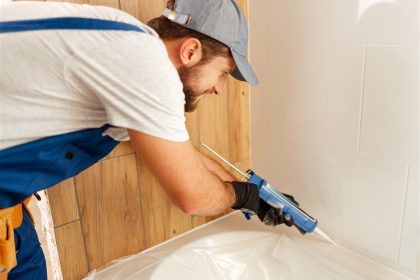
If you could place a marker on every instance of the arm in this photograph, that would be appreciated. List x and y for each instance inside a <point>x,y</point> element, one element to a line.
<point>179,169</point>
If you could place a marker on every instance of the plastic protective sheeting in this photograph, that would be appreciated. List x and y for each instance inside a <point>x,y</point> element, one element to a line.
<point>232,248</point>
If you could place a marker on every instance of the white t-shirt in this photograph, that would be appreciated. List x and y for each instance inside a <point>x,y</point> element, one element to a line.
<point>59,81</point>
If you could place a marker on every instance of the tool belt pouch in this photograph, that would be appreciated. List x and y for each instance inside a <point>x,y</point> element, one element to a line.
<point>10,218</point>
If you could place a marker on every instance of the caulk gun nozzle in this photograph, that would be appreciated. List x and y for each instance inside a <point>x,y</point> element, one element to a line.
<point>324,235</point>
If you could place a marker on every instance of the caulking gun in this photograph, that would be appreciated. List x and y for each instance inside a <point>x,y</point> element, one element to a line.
<point>269,194</point>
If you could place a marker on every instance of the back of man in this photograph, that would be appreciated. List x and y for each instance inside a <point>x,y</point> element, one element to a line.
<point>76,79</point>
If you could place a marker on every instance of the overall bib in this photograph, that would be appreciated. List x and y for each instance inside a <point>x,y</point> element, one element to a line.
<point>34,166</point>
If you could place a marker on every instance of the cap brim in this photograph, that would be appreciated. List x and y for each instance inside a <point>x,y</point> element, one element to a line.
<point>243,70</point>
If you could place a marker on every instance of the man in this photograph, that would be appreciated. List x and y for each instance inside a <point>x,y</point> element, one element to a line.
<point>76,79</point>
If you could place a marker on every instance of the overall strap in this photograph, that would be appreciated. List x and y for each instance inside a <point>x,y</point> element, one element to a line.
<point>75,23</point>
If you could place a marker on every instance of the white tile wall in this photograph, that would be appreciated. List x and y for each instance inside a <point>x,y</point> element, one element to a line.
<point>372,203</point>
<point>390,123</point>
<point>335,121</point>
<point>312,103</point>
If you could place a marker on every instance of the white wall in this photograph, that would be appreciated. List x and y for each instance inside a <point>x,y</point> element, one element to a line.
<point>335,120</point>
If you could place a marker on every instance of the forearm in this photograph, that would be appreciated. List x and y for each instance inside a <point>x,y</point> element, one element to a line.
<point>183,175</point>
<point>216,197</point>
<point>216,168</point>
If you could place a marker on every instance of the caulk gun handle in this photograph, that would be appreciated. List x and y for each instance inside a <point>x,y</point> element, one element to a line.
<point>286,203</point>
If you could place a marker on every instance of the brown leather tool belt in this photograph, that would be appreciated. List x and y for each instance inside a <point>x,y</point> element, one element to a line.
<point>10,219</point>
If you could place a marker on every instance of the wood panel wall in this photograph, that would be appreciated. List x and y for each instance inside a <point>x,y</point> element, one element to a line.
<point>116,207</point>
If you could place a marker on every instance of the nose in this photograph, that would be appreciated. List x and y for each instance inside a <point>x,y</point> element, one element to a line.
<point>219,87</point>
<point>216,90</point>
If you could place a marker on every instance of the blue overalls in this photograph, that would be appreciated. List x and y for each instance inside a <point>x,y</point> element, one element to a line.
<point>34,166</point>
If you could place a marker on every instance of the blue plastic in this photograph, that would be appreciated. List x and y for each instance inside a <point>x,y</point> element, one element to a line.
<point>276,199</point>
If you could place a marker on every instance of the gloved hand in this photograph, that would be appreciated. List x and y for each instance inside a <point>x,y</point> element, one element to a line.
<point>247,197</point>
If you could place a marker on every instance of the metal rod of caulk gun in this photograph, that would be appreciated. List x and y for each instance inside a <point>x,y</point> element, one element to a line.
<point>225,161</point>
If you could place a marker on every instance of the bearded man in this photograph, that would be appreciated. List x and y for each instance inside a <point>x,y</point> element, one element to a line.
<point>77,79</point>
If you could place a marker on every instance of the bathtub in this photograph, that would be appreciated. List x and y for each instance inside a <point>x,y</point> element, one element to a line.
<point>233,248</point>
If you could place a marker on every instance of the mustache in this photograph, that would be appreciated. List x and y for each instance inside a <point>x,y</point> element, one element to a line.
<point>192,98</point>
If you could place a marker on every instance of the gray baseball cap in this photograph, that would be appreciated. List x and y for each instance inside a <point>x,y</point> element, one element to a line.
<point>222,20</point>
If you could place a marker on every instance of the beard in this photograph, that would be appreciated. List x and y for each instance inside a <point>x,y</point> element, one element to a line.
<point>192,96</point>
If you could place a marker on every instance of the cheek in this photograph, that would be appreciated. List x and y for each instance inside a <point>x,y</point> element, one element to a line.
<point>207,82</point>
<point>206,79</point>
<point>223,79</point>
<point>214,79</point>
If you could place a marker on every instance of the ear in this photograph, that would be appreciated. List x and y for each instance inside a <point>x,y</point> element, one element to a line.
<point>190,52</point>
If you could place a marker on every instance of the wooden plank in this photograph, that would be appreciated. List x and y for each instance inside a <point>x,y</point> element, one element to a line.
<point>72,251</point>
<point>110,210</point>
<point>214,123</point>
<point>162,220</point>
<point>63,202</point>
<point>124,148</point>
<point>238,115</point>
<point>144,10</point>
<point>238,104</point>
<point>109,3</point>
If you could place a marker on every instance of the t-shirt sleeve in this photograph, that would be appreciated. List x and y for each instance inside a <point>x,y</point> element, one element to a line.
<point>136,82</point>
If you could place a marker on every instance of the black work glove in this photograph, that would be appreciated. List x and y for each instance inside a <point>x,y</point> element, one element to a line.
<point>247,197</point>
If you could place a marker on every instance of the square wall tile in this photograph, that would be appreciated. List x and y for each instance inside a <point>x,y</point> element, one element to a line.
<point>309,92</point>
<point>410,237</point>
<point>371,204</point>
<point>359,21</point>
<point>390,114</point>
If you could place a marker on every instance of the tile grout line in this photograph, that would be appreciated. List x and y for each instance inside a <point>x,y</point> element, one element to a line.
<point>403,212</point>
<point>81,224</point>
<point>143,229</point>
<point>362,90</point>
<point>122,155</point>
<point>65,224</point>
